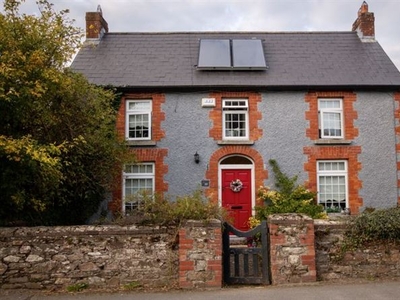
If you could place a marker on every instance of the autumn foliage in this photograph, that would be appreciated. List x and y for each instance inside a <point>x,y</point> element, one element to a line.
<point>58,146</point>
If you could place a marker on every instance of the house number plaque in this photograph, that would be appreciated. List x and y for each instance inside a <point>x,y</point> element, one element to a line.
<point>205,183</point>
<point>208,102</point>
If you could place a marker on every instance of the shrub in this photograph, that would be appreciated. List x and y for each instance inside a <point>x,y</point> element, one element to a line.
<point>289,198</point>
<point>163,211</point>
<point>300,201</point>
<point>377,225</point>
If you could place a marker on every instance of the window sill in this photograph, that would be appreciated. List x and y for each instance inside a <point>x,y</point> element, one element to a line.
<point>235,142</point>
<point>332,142</point>
<point>141,143</point>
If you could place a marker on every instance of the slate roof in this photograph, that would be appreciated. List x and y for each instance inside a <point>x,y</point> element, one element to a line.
<point>295,60</point>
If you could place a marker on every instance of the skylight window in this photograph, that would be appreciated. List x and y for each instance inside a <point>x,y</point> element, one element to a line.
<point>215,54</point>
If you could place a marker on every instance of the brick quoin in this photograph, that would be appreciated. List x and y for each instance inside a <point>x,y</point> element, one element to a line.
<point>212,173</point>
<point>397,132</point>
<point>254,115</point>
<point>349,153</point>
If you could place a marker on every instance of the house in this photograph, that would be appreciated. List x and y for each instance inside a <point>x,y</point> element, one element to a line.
<point>207,110</point>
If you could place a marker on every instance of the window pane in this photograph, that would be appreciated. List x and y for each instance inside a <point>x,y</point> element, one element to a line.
<point>135,184</point>
<point>331,124</point>
<point>329,104</point>
<point>139,105</point>
<point>138,126</point>
<point>235,104</point>
<point>235,125</point>
<point>330,118</point>
<point>139,179</point>
<point>149,168</point>
<point>338,166</point>
<point>138,119</point>
<point>332,191</point>
<point>145,168</point>
<point>134,190</point>
<point>235,118</point>
<point>130,188</point>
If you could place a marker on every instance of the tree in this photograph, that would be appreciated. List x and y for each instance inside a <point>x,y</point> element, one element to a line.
<point>59,149</point>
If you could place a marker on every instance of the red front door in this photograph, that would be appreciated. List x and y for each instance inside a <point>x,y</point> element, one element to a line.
<point>238,203</point>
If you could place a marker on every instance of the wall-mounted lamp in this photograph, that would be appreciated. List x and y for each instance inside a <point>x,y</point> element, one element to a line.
<point>196,158</point>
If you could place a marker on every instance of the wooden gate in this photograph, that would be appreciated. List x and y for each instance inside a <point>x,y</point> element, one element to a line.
<point>248,263</point>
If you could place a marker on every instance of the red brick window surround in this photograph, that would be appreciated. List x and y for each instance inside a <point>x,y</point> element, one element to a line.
<point>157,115</point>
<point>212,173</point>
<point>349,114</point>
<point>349,153</point>
<point>338,152</point>
<point>253,114</point>
<point>154,155</point>
<point>397,129</point>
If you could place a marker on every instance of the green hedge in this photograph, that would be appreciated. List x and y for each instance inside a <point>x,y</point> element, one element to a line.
<point>375,225</point>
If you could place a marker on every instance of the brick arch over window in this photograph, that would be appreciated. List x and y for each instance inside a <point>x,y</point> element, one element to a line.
<point>260,173</point>
<point>154,155</point>
<point>349,153</point>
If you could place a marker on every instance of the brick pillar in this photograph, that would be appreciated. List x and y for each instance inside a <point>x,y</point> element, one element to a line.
<point>200,255</point>
<point>292,248</point>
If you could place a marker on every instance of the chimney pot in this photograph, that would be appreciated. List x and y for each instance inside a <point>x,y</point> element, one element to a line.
<point>364,25</point>
<point>363,9</point>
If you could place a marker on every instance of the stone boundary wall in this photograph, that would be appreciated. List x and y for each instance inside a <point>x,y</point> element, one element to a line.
<point>292,248</point>
<point>111,256</point>
<point>302,250</point>
<point>200,255</point>
<point>377,260</point>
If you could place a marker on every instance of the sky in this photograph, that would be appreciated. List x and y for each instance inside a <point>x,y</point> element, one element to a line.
<point>237,15</point>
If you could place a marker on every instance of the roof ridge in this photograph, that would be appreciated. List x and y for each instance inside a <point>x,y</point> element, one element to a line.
<point>226,32</point>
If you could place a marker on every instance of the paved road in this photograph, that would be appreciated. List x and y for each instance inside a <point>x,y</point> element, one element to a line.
<point>388,290</point>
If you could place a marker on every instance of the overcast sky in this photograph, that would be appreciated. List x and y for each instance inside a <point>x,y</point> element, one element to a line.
<point>238,15</point>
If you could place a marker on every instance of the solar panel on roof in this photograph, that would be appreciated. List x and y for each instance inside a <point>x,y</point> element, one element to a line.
<point>248,54</point>
<point>214,54</point>
<point>217,54</point>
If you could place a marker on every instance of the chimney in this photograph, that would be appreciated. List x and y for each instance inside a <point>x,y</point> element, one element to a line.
<point>96,26</point>
<point>364,25</point>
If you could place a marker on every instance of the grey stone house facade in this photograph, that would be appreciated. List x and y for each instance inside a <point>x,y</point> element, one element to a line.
<point>207,110</point>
